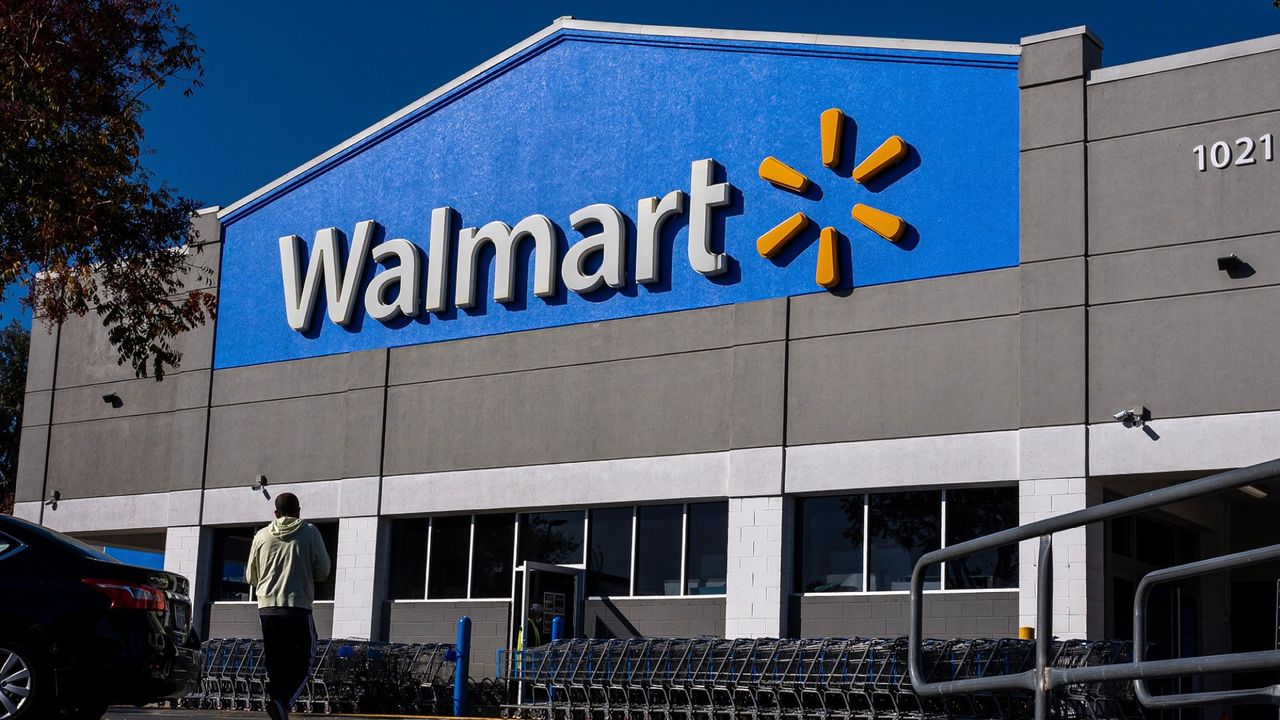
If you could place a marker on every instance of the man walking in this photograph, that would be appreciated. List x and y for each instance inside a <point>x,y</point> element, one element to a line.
<point>285,561</point>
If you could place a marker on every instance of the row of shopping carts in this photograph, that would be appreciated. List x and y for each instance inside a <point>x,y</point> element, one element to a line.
<point>346,676</point>
<point>715,679</point>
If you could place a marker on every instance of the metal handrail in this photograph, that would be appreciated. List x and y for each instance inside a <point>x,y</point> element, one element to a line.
<point>1043,678</point>
<point>1267,694</point>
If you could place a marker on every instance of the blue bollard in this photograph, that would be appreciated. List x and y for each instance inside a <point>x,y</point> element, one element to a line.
<point>460,670</point>
<point>557,628</point>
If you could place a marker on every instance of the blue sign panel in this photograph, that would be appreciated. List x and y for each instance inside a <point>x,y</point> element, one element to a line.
<point>584,118</point>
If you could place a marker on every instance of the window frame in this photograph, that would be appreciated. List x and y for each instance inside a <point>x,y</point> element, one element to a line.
<point>586,520</point>
<point>866,536</point>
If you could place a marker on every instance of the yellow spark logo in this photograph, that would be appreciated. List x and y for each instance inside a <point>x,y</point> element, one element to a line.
<point>890,227</point>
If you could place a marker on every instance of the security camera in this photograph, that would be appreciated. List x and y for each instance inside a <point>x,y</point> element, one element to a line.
<point>1133,417</point>
<point>261,486</point>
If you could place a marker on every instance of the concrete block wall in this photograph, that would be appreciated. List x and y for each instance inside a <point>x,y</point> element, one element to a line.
<point>655,617</point>
<point>358,588</point>
<point>1078,567</point>
<point>757,545</point>
<point>187,552</point>
<point>240,620</point>
<point>960,614</point>
<point>437,621</point>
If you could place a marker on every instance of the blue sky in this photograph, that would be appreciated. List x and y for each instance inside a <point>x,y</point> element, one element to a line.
<point>286,80</point>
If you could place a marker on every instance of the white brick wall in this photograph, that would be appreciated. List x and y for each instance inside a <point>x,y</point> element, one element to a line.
<point>356,600</point>
<point>755,603</point>
<point>187,551</point>
<point>1077,557</point>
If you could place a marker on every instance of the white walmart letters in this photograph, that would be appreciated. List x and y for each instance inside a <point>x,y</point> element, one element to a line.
<point>397,290</point>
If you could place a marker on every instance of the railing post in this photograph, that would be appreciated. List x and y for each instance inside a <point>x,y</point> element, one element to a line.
<point>1044,624</point>
<point>460,668</point>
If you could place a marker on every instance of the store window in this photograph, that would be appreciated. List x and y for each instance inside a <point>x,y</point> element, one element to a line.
<point>491,557</point>
<point>871,542</point>
<point>609,555</point>
<point>450,557</point>
<point>706,548</point>
<point>407,574</point>
<point>555,538</point>
<point>626,551</point>
<point>975,513</point>
<point>231,556</point>
<point>902,527</point>
<point>830,542</point>
<point>659,535</point>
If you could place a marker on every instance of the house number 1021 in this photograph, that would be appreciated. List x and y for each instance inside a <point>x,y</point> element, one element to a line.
<point>1220,154</point>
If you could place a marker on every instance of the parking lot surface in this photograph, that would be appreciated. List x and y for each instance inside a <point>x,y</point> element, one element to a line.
<point>150,713</point>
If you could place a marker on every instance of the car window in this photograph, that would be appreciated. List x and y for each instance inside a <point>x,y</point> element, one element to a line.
<point>76,546</point>
<point>7,545</point>
<point>67,542</point>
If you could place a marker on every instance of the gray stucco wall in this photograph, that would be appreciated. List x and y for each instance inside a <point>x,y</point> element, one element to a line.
<point>152,442</point>
<point>993,614</point>
<point>1167,328</point>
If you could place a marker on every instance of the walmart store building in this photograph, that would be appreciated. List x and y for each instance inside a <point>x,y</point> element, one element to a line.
<point>684,332</point>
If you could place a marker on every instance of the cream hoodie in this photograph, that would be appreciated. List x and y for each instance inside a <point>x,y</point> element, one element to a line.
<point>286,560</point>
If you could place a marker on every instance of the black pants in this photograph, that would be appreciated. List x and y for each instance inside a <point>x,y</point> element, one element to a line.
<point>289,641</point>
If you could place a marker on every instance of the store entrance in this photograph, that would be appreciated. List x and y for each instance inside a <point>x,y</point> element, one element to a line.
<point>1136,546</point>
<point>544,592</point>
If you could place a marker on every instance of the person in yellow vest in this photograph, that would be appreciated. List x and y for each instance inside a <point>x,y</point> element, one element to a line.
<point>531,631</point>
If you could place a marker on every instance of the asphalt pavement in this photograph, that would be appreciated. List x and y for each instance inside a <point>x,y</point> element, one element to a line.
<point>153,713</point>
<point>149,713</point>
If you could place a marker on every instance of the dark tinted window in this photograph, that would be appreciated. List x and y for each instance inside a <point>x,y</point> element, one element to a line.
<point>707,548</point>
<point>972,514</point>
<point>450,545</point>
<point>325,588</point>
<point>658,539</point>
<point>408,562</point>
<point>230,555</point>
<point>554,538</point>
<point>903,526</point>
<point>609,557</point>
<point>830,544</point>
<point>491,564</point>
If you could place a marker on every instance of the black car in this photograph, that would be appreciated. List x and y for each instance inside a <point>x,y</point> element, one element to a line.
<point>80,630</point>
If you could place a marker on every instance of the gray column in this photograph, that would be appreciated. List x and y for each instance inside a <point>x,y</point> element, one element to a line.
<point>1053,361</point>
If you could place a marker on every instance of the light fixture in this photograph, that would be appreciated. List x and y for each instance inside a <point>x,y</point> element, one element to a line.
<point>1254,491</point>
<point>53,500</point>
<point>1133,417</point>
<point>1227,263</point>
<point>113,400</point>
<point>260,485</point>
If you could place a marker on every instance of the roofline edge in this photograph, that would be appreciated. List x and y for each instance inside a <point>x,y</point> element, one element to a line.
<point>570,23</point>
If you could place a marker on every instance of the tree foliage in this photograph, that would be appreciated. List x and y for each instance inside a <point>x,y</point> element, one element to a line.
<point>81,224</point>
<point>14,343</point>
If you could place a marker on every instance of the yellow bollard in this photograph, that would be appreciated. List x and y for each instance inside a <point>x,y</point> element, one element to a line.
<point>1026,633</point>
